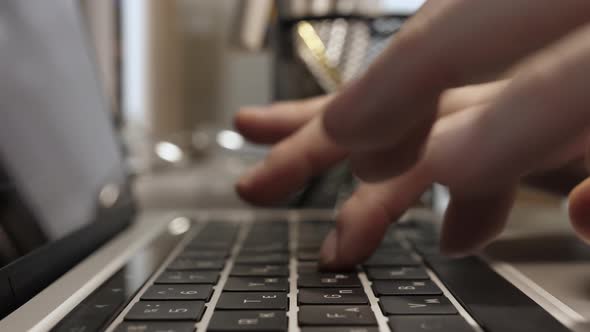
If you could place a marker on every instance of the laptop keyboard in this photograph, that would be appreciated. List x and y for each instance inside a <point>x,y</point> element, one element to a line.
<point>263,276</point>
<point>267,279</point>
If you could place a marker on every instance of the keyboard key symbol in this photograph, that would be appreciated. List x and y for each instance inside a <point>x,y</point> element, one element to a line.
<point>335,316</point>
<point>101,306</point>
<point>353,309</point>
<point>251,301</point>
<point>248,321</point>
<point>332,296</point>
<point>266,315</point>
<point>416,304</point>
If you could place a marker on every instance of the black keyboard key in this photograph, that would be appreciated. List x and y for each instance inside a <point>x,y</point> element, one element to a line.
<point>307,267</point>
<point>421,237</point>
<point>391,260</point>
<point>308,255</point>
<point>248,320</point>
<point>336,315</point>
<point>195,264</point>
<point>188,277</point>
<point>341,329</point>
<point>389,245</point>
<point>211,245</point>
<point>204,254</point>
<point>310,245</point>
<point>427,249</point>
<point>332,296</point>
<point>156,327</point>
<point>267,236</point>
<point>256,284</point>
<point>269,225</point>
<point>406,287</point>
<point>263,258</point>
<point>178,292</point>
<point>323,280</point>
<point>260,271</point>
<point>418,323</point>
<point>416,305</point>
<point>492,301</point>
<point>166,310</point>
<point>391,251</point>
<point>397,273</point>
<point>265,247</point>
<point>252,301</point>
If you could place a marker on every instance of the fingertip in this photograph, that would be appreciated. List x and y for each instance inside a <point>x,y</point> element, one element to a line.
<point>458,242</point>
<point>241,122</point>
<point>458,249</point>
<point>472,222</point>
<point>250,112</point>
<point>329,250</point>
<point>247,117</point>
<point>361,227</point>
<point>250,186</point>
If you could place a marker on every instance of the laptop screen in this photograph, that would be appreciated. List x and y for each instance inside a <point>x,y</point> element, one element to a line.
<point>57,145</point>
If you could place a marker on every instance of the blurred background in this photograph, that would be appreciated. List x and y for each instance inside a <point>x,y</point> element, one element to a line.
<point>176,71</point>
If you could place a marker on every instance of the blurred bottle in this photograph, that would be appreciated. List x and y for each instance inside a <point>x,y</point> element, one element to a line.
<point>153,83</point>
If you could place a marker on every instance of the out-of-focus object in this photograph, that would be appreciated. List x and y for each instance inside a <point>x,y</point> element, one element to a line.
<point>153,79</point>
<point>336,50</point>
<point>302,9</point>
<point>102,21</point>
<point>254,17</point>
<point>60,163</point>
<point>334,41</point>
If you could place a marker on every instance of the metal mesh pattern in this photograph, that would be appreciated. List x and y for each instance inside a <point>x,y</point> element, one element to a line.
<point>341,49</point>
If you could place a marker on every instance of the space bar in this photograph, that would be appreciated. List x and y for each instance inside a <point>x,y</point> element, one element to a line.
<point>491,300</point>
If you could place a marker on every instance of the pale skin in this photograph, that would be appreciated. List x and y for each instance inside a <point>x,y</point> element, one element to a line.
<point>415,119</point>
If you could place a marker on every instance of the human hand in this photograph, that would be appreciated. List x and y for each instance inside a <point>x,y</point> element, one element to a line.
<point>403,128</point>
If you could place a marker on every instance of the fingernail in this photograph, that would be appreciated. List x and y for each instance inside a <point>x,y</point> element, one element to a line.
<point>329,251</point>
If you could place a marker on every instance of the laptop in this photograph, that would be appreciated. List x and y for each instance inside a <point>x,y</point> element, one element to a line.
<point>77,255</point>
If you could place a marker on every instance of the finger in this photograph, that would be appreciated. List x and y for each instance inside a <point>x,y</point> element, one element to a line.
<point>472,222</point>
<point>289,165</point>
<point>364,218</point>
<point>572,152</point>
<point>270,124</point>
<point>543,110</point>
<point>579,209</point>
<point>444,45</point>
<point>457,99</point>
<point>532,118</point>
<point>381,165</point>
<point>378,165</point>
